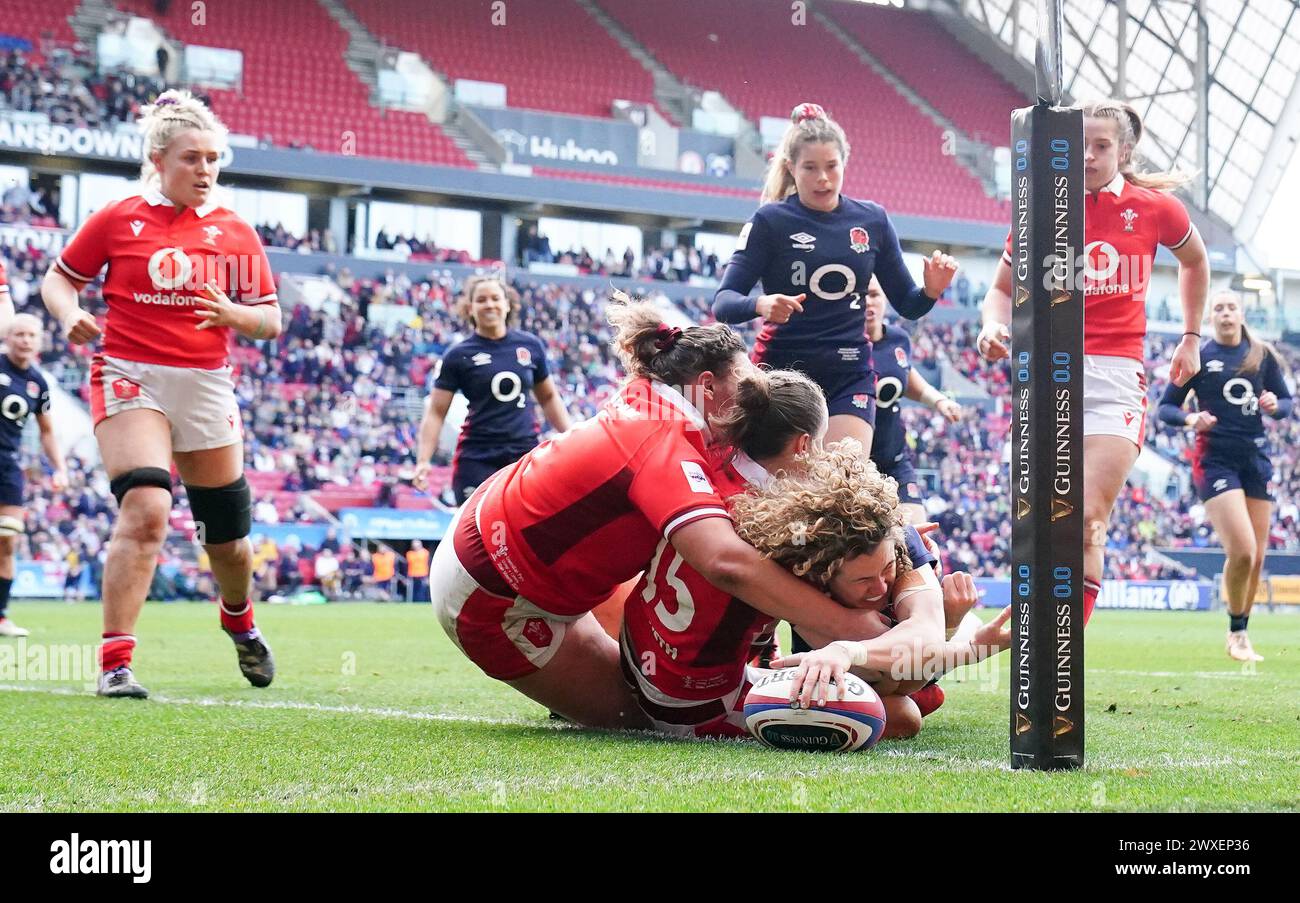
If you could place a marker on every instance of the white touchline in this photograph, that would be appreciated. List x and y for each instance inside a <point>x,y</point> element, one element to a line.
<point>306,707</point>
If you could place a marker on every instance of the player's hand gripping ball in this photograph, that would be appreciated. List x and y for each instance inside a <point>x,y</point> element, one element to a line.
<point>854,718</point>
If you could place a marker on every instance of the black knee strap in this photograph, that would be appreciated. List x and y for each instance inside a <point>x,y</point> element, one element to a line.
<point>141,476</point>
<point>221,513</point>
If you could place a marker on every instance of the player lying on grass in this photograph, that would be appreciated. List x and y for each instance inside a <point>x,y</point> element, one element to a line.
<point>685,644</point>
<point>547,539</point>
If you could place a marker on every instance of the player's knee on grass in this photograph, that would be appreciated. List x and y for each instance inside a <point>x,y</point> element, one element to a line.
<point>902,718</point>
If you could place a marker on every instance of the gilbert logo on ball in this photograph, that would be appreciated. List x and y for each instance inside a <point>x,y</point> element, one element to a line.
<point>853,719</point>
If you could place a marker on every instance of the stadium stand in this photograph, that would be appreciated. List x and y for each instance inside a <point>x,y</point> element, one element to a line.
<point>296,91</point>
<point>935,65</point>
<point>726,45</point>
<point>596,70</point>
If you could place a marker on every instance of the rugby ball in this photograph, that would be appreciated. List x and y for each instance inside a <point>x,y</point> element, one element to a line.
<point>854,720</point>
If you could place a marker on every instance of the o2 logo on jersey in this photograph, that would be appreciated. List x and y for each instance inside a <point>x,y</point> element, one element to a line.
<point>888,391</point>
<point>508,387</point>
<point>1240,392</point>
<point>815,281</point>
<point>15,408</point>
<point>170,269</point>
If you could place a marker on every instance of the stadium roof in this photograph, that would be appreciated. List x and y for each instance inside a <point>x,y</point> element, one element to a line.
<point>1147,52</point>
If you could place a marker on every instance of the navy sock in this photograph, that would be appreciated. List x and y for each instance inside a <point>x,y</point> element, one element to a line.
<point>5,584</point>
<point>1237,622</point>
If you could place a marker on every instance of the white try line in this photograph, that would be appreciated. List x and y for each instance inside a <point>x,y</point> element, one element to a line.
<point>1208,675</point>
<point>304,707</point>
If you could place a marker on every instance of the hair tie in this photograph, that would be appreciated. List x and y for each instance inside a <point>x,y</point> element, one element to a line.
<point>165,102</point>
<point>807,111</point>
<point>666,336</point>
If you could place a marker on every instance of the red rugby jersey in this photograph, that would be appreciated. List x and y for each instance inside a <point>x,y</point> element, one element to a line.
<point>582,513</point>
<point>687,639</point>
<point>1123,226</point>
<point>158,261</point>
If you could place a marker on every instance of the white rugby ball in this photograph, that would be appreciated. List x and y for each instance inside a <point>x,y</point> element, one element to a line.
<point>855,719</point>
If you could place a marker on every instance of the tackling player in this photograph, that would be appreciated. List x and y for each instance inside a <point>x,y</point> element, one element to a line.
<point>1240,379</point>
<point>815,251</point>
<point>160,387</point>
<point>23,391</point>
<point>550,537</point>
<point>1127,215</point>
<point>497,368</point>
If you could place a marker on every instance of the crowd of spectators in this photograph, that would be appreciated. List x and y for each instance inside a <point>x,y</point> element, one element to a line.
<point>67,87</point>
<point>335,402</point>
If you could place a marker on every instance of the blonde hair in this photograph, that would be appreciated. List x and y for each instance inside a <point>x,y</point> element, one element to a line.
<point>811,523</point>
<point>809,124</point>
<point>161,121</point>
<point>650,348</point>
<point>1128,132</point>
<point>465,303</point>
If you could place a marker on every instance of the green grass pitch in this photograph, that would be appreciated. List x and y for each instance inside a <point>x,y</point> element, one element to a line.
<point>374,709</point>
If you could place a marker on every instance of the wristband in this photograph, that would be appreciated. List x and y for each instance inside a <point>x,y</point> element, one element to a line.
<point>1186,334</point>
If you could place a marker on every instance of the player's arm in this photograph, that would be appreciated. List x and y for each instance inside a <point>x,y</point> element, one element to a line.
<point>919,389</point>
<point>50,445</point>
<point>909,299</point>
<point>59,293</point>
<point>1171,410</point>
<point>712,547</point>
<point>1276,400</point>
<point>436,407</point>
<point>1181,237</point>
<point>995,314</point>
<point>552,405</point>
<point>6,309</point>
<point>732,303</point>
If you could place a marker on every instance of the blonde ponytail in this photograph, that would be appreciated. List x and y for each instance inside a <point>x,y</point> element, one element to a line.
<point>809,124</point>
<point>160,122</point>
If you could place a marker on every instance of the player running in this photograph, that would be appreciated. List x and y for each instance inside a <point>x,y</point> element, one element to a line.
<point>23,391</point>
<point>896,379</point>
<point>1127,216</point>
<point>1240,379</point>
<point>160,387</point>
<point>815,251</point>
<point>553,535</point>
<point>497,368</point>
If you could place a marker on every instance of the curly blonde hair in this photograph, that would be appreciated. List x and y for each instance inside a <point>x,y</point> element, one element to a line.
<point>811,523</point>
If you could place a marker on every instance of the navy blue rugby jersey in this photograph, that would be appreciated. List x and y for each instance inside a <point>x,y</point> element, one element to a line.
<point>831,257</point>
<point>497,377</point>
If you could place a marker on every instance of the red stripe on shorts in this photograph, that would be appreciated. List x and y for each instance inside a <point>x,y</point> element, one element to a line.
<point>98,410</point>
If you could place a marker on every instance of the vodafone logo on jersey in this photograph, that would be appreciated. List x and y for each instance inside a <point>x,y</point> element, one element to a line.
<point>1101,260</point>
<point>170,269</point>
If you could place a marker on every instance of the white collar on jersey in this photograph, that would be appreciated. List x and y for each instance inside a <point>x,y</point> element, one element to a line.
<point>157,199</point>
<point>1116,185</point>
<point>679,401</point>
<point>753,472</point>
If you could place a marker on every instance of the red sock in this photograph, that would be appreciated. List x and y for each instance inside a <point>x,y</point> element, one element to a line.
<point>115,651</point>
<point>928,698</point>
<point>237,618</point>
<point>1090,590</point>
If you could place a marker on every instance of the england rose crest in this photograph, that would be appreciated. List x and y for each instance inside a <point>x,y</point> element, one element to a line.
<point>524,357</point>
<point>858,239</point>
